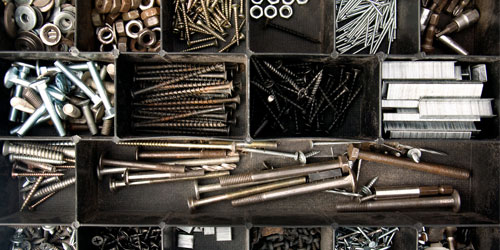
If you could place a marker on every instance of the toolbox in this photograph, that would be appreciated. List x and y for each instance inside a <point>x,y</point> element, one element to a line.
<point>89,205</point>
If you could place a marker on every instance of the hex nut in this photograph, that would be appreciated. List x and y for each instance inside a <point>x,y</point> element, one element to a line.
<point>131,15</point>
<point>120,28</point>
<point>135,4</point>
<point>134,46</point>
<point>148,5</point>
<point>96,18</point>
<point>152,21</point>
<point>125,6</point>
<point>110,18</point>
<point>146,38</point>
<point>50,34</point>
<point>156,47</point>
<point>116,6</point>
<point>133,28</point>
<point>105,35</point>
<point>122,44</point>
<point>150,12</point>
<point>103,6</point>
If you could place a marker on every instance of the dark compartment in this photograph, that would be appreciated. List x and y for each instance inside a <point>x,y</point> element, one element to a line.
<point>360,119</point>
<point>314,19</point>
<point>125,83</point>
<point>201,241</point>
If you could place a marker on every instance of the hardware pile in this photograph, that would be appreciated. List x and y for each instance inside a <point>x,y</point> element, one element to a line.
<point>186,236</point>
<point>308,99</point>
<point>365,24</point>
<point>61,93</point>
<point>429,20</point>
<point>270,11</point>
<point>364,238</point>
<point>129,25</point>
<point>269,238</point>
<point>442,238</point>
<point>41,166</point>
<point>196,161</point>
<point>44,237</point>
<point>127,238</point>
<point>202,23</point>
<point>186,99</point>
<point>433,99</point>
<point>40,24</point>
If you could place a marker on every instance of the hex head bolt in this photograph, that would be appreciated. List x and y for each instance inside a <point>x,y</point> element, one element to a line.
<point>9,148</point>
<point>32,191</point>
<point>110,111</point>
<point>461,22</point>
<point>193,203</point>
<point>347,182</point>
<point>298,156</point>
<point>139,154</point>
<point>54,187</point>
<point>293,171</point>
<point>438,169</point>
<point>452,201</point>
<point>89,116</point>
<point>66,71</point>
<point>141,165</point>
<point>41,87</point>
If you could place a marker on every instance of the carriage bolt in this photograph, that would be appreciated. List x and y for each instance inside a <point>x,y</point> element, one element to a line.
<point>142,165</point>
<point>110,111</point>
<point>452,201</point>
<point>66,71</point>
<point>35,118</point>
<point>54,187</point>
<point>41,87</point>
<point>192,203</point>
<point>343,182</point>
<point>114,185</point>
<point>74,67</point>
<point>9,148</point>
<point>438,169</point>
<point>293,171</point>
<point>298,156</point>
<point>32,191</point>
<point>139,154</point>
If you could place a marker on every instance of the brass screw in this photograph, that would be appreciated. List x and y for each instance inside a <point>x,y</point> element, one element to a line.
<point>235,9</point>
<point>240,37</point>
<point>36,204</point>
<point>212,44</point>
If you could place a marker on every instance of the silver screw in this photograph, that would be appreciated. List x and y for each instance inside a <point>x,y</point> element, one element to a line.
<point>14,157</point>
<point>41,86</point>
<point>110,111</point>
<point>9,148</point>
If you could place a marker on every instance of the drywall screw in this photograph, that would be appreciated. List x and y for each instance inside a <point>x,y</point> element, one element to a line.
<point>174,117</point>
<point>32,191</point>
<point>54,187</point>
<point>41,86</point>
<point>35,174</point>
<point>240,37</point>
<point>93,97</point>
<point>214,43</point>
<point>452,201</point>
<point>110,111</point>
<point>141,165</point>
<point>89,116</point>
<point>192,203</point>
<point>36,204</point>
<point>14,157</point>
<point>9,148</point>
<point>342,182</point>
<point>298,156</point>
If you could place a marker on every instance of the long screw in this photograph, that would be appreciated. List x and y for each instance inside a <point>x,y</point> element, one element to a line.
<point>32,191</point>
<point>34,174</point>
<point>141,165</point>
<point>54,187</point>
<point>42,200</point>
<point>9,148</point>
<point>14,157</point>
<point>214,43</point>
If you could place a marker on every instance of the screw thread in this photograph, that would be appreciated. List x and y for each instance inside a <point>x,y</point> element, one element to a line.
<point>107,126</point>
<point>201,46</point>
<point>36,204</point>
<point>55,187</point>
<point>186,124</point>
<point>281,75</point>
<point>372,182</point>
<point>258,198</point>
<point>184,92</point>
<point>170,71</point>
<point>45,181</point>
<point>223,167</point>
<point>32,97</point>
<point>14,157</point>
<point>312,153</point>
<point>32,191</point>
<point>68,151</point>
<point>32,151</point>
<point>36,174</point>
<point>235,179</point>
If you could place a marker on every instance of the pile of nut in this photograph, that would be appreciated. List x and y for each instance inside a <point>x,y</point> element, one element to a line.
<point>44,237</point>
<point>39,25</point>
<point>128,25</point>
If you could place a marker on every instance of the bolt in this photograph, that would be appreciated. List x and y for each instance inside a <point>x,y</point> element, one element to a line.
<point>110,111</point>
<point>89,116</point>
<point>9,148</point>
<point>54,187</point>
<point>141,165</point>
<point>298,156</point>
<point>107,127</point>
<point>41,86</point>
<point>66,71</point>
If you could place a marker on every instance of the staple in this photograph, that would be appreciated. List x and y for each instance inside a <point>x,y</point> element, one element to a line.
<point>223,234</point>
<point>435,126</point>
<point>414,90</point>
<point>443,70</point>
<point>416,117</point>
<point>452,108</point>
<point>430,135</point>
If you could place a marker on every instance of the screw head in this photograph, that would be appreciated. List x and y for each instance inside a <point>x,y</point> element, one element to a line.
<point>97,241</point>
<point>301,157</point>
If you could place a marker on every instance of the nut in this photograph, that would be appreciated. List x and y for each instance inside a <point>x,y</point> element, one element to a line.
<point>105,35</point>
<point>120,28</point>
<point>149,4</point>
<point>155,48</point>
<point>135,4</point>
<point>135,47</point>
<point>122,44</point>
<point>116,6</point>
<point>146,38</point>
<point>125,6</point>
<point>133,28</point>
<point>110,18</point>
<point>150,12</point>
<point>96,18</point>
<point>152,21</point>
<point>103,6</point>
<point>131,15</point>
<point>50,34</point>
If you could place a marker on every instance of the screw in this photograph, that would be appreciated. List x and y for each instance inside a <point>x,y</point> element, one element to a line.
<point>141,165</point>
<point>32,191</point>
<point>36,204</point>
<point>210,30</point>
<point>298,156</point>
<point>291,32</point>
<point>214,43</point>
<point>54,187</point>
<point>35,174</point>
<point>9,148</point>
<point>229,45</point>
<point>14,157</point>
<point>46,181</point>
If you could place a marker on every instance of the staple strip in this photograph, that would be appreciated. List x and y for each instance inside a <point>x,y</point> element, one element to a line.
<point>429,135</point>
<point>415,90</point>
<point>450,108</point>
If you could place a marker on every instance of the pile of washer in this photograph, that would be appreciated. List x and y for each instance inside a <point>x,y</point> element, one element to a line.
<point>271,11</point>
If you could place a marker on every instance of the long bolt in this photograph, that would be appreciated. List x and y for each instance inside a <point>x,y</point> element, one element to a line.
<point>343,182</point>
<point>110,111</point>
<point>89,116</point>
<point>41,86</point>
<point>192,203</point>
<point>437,169</point>
<point>293,171</point>
<point>200,189</point>
<point>95,99</point>
<point>139,154</point>
<point>452,201</point>
<point>9,148</point>
<point>298,156</point>
<point>42,200</point>
<point>151,176</point>
<point>32,191</point>
<point>142,165</point>
<point>382,193</point>
<point>54,187</point>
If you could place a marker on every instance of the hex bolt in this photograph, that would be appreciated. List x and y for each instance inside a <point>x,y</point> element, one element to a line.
<point>342,182</point>
<point>292,171</point>
<point>110,111</point>
<point>9,148</point>
<point>89,116</point>
<point>192,203</point>
<point>298,156</point>
<point>438,169</point>
<point>41,86</point>
<point>452,201</point>
<point>66,71</point>
<point>54,187</point>
<point>32,191</point>
<point>141,165</point>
